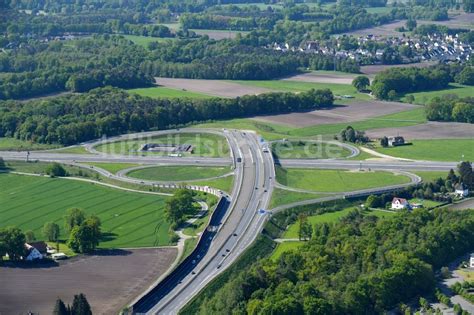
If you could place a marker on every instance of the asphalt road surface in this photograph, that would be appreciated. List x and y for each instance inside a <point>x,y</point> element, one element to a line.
<point>240,219</point>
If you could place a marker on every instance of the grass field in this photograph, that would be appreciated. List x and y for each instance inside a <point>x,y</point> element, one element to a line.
<point>298,86</point>
<point>73,150</point>
<point>223,183</point>
<point>113,167</point>
<point>454,88</point>
<point>434,150</point>
<point>145,40</point>
<point>128,219</point>
<point>284,247</point>
<point>272,131</point>
<point>332,217</point>
<point>204,144</point>
<point>178,173</point>
<point>430,176</point>
<point>164,92</point>
<point>284,197</point>
<point>189,245</point>
<point>336,180</point>
<point>20,145</point>
<point>302,149</point>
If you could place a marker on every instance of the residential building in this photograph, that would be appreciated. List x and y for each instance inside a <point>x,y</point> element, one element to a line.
<point>400,203</point>
<point>461,190</point>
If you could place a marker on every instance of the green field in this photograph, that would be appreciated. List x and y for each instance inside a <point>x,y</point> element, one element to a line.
<point>128,219</point>
<point>303,149</point>
<point>74,150</point>
<point>332,217</point>
<point>298,86</point>
<point>430,176</point>
<point>164,92</point>
<point>283,197</point>
<point>145,40</point>
<point>20,145</point>
<point>271,131</point>
<point>434,150</point>
<point>223,183</point>
<point>204,144</point>
<point>284,247</point>
<point>113,167</point>
<point>454,88</point>
<point>336,180</point>
<point>178,173</point>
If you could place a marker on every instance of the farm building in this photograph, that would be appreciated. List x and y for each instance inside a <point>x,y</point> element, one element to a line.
<point>395,141</point>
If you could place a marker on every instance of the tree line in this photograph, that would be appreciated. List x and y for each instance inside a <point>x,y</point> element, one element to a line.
<point>391,83</point>
<point>109,111</point>
<point>451,107</point>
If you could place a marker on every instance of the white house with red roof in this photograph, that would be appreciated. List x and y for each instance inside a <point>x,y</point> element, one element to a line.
<point>400,203</point>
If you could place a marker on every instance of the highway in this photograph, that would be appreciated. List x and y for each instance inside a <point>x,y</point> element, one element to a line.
<point>241,225</point>
<point>238,219</point>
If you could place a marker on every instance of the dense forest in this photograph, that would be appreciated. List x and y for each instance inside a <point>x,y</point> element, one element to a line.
<point>360,265</point>
<point>102,60</point>
<point>110,111</point>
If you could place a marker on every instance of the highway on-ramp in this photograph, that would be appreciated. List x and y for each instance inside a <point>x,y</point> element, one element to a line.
<point>243,212</point>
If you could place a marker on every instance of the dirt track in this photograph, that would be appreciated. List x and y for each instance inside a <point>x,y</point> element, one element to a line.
<point>211,87</point>
<point>429,130</point>
<point>323,78</point>
<point>354,111</point>
<point>109,281</point>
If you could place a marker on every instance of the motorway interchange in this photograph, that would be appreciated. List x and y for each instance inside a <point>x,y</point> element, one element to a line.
<point>238,219</point>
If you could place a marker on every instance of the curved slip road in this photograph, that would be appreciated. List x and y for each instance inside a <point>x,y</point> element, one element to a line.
<point>240,221</point>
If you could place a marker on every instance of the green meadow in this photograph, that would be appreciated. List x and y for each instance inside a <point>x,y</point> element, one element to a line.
<point>164,92</point>
<point>204,144</point>
<point>128,219</point>
<point>178,173</point>
<point>434,150</point>
<point>454,88</point>
<point>145,40</point>
<point>336,180</point>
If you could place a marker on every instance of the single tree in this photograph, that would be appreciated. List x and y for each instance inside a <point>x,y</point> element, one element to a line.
<point>361,83</point>
<point>60,308</point>
<point>56,170</point>
<point>2,164</point>
<point>373,201</point>
<point>12,242</point>
<point>51,231</point>
<point>80,305</point>
<point>384,142</point>
<point>30,236</point>
<point>466,175</point>
<point>82,239</point>
<point>411,24</point>
<point>74,217</point>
